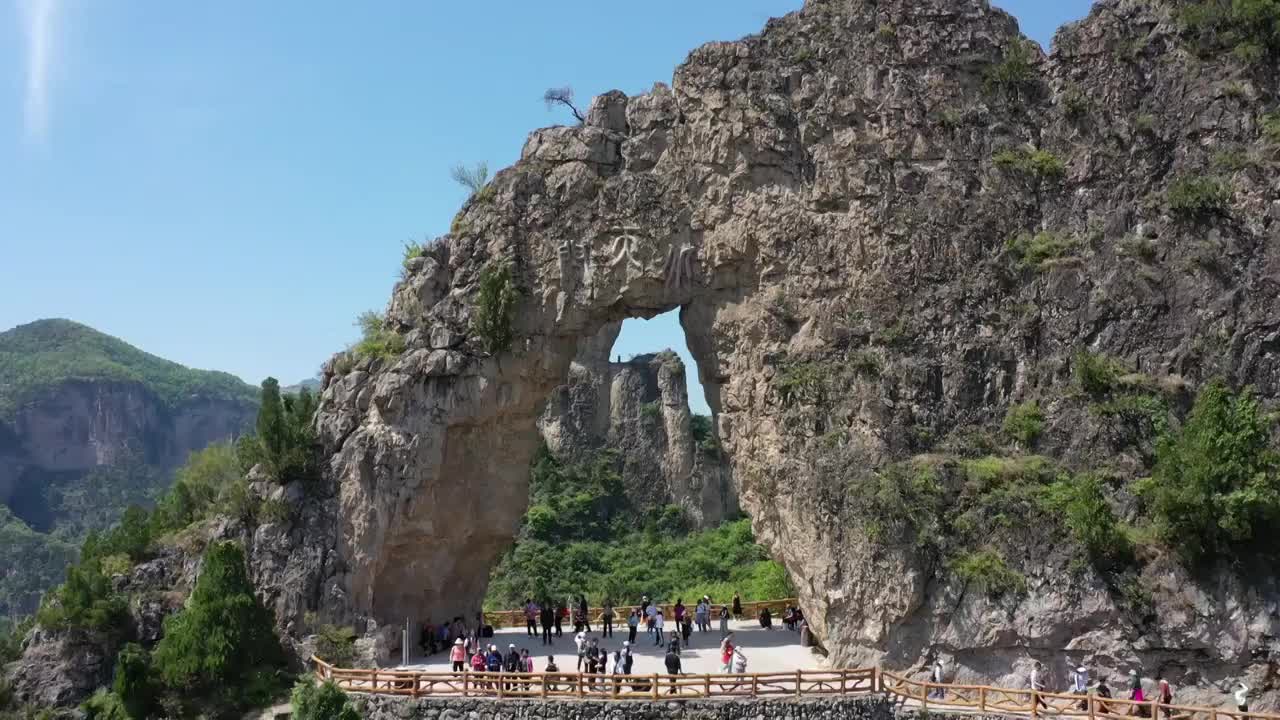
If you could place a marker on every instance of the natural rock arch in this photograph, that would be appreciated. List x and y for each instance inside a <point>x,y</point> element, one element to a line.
<point>432,450</point>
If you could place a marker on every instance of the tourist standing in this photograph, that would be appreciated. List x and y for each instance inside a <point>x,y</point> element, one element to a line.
<point>618,670</point>
<point>561,612</point>
<point>724,621</point>
<point>458,655</point>
<point>935,677</point>
<point>530,617</point>
<point>633,622</point>
<point>1135,687</point>
<point>737,606</point>
<point>551,668</point>
<point>627,658</point>
<point>1102,691</point>
<point>651,617</point>
<point>593,657</point>
<point>581,641</point>
<point>582,608</point>
<point>1242,697</point>
<point>700,614</point>
<point>1037,683</point>
<point>658,622</point>
<point>673,668</point>
<point>1164,695</point>
<point>1080,685</point>
<point>511,666</point>
<point>548,618</point>
<point>607,617</point>
<point>679,611</point>
<point>687,629</point>
<point>726,653</point>
<point>526,667</point>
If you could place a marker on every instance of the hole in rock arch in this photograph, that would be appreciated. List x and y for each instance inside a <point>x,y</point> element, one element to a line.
<point>632,493</point>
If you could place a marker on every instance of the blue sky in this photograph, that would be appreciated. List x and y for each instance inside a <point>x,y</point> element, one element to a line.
<point>229,184</point>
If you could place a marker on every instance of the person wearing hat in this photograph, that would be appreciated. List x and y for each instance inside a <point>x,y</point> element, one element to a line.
<point>458,655</point>
<point>1080,685</point>
<point>493,661</point>
<point>1242,697</point>
<point>511,664</point>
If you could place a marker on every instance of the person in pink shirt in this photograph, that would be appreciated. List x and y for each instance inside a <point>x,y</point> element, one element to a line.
<point>458,655</point>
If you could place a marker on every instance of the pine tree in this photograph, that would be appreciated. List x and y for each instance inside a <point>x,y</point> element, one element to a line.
<point>271,420</point>
<point>223,646</point>
<point>321,702</point>
<point>132,683</point>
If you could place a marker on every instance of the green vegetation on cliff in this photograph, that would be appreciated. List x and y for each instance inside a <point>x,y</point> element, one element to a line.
<point>217,658</point>
<point>42,561</point>
<point>40,355</point>
<point>222,649</point>
<point>1248,29</point>
<point>1215,489</point>
<point>582,535</point>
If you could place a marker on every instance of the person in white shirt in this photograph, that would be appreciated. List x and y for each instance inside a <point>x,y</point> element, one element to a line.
<point>581,641</point>
<point>1242,697</point>
<point>1080,685</point>
<point>1037,684</point>
<point>935,676</point>
<point>739,661</point>
<point>658,621</point>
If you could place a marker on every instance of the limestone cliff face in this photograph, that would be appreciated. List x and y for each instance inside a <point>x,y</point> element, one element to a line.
<point>828,203</point>
<point>80,425</point>
<point>640,410</point>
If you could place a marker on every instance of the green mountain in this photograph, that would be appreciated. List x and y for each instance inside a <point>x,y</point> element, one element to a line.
<point>43,354</point>
<point>90,425</point>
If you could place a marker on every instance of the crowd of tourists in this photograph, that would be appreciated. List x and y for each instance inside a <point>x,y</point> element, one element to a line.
<point>1078,683</point>
<point>546,621</point>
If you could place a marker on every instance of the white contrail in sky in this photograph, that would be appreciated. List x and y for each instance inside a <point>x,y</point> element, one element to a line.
<point>38,19</point>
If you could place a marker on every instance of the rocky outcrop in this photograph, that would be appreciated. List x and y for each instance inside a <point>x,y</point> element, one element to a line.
<point>52,446</point>
<point>640,410</point>
<point>884,223</point>
<point>291,560</point>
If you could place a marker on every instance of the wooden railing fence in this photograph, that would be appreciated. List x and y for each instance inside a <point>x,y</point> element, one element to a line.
<point>798,683</point>
<point>1004,701</point>
<point>982,699</point>
<point>516,618</point>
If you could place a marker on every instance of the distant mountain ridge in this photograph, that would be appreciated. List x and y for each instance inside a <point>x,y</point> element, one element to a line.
<point>88,426</point>
<point>44,353</point>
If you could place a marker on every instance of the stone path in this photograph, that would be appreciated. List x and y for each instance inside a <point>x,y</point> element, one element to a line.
<point>776,650</point>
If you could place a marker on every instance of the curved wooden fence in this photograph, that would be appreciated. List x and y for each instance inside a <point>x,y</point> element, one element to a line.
<point>799,683</point>
<point>516,618</point>
<point>983,699</point>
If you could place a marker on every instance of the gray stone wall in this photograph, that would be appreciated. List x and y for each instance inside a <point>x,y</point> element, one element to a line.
<point>835,708</point>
